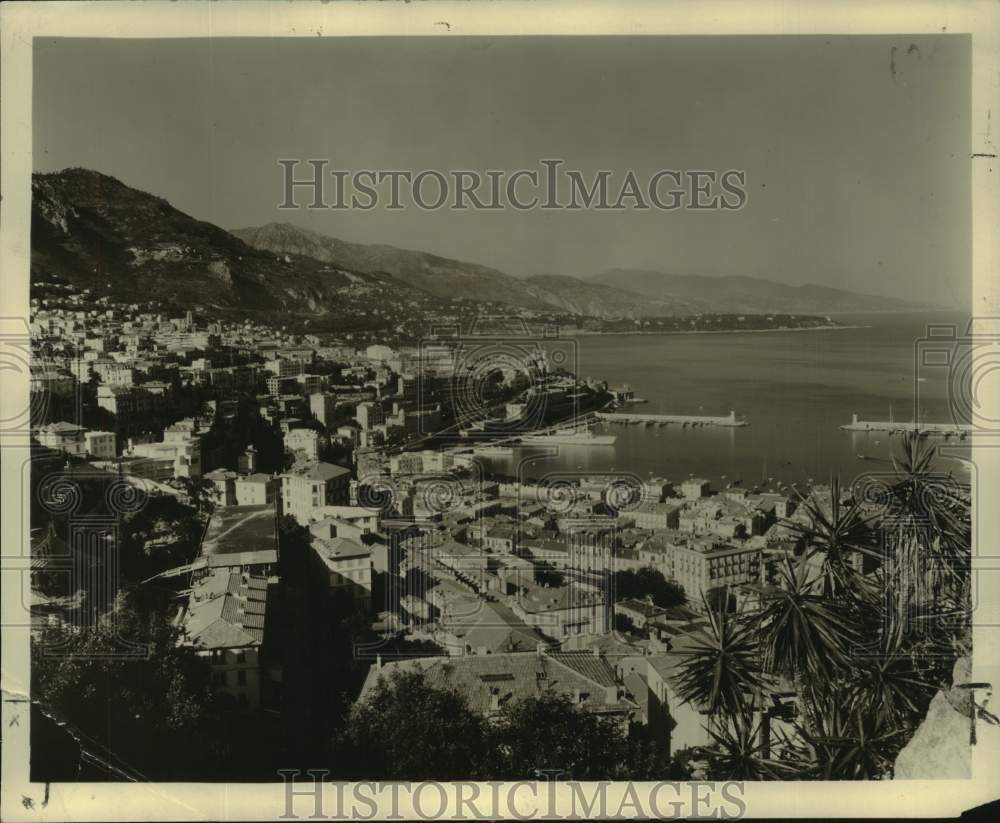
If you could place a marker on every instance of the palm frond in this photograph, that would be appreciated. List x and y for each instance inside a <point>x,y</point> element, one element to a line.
<point>720,668</point>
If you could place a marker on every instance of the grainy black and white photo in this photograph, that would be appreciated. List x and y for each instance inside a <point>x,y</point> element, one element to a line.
<point>503,408</point>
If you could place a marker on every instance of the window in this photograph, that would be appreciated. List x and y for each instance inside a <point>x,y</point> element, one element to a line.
<point>241,678</point>
<point>224,678</point>
<point>241,656</point>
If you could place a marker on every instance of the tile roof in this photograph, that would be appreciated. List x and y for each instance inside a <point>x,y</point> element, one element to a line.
<point>506,677</point>
<point>587,664</point>
<point>227,609</point>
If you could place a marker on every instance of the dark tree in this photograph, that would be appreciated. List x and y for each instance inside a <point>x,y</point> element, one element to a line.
<point>648,582</point>
<point>548,732</point>
<point>156,712</point>
<point>408,730</point>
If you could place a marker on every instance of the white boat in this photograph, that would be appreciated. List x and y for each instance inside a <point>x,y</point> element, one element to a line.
<point>568,437</point>
<point>493,451</point>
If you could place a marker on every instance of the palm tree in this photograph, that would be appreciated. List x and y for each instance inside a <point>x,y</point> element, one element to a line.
<point>738,752</point>
<point>888,684</point>
<point>720,670</point>
<point>931,532</point>
<point>801,630</point>
<point>849,746</point>
<point>839,536</point>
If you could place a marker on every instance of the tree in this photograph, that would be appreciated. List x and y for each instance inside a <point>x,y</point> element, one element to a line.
<point>720,670</point>
<point>849,746</point>
<point>162,534</point>
<point>547,575</point>
<point>549,732</point>
<point>648,582</point>
<point>407,729</point>
<point>801,631</point>
<point>739,751</point>
<point>201,492</point>
<point>837,536</point>
<point>294,549</point>
<point>127,684</point>
<point>927,546</point>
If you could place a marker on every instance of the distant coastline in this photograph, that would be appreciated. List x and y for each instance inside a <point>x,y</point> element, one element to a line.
<point>825,327</point>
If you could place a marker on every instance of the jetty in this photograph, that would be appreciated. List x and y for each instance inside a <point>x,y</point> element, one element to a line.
<point>683,420</point>
<point>960,430</point>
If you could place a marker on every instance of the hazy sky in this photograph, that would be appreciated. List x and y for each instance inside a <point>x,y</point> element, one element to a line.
<point>856,149</point>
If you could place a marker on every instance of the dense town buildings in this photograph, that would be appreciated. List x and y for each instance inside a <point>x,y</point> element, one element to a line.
<point>256,425</point>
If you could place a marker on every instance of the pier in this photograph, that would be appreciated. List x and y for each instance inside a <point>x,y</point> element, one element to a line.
<point>894,426</point>
<point>684,420</point>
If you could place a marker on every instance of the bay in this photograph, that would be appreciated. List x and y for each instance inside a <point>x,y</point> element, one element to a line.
<point>794,388</point>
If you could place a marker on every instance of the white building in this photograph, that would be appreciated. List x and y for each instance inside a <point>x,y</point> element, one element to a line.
<point>101,445</point>
<point>310,486</point>
<point>64,437</point>
<point>323,406</point>
<point>369,415</point>
<point>303,442</point>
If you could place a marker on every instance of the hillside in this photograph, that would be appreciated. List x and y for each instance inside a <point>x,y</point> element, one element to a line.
<point>438,276</point>
<point>613,294</point>
<point>580,297</point>
<point>94,231</point>
<point>694,293</point>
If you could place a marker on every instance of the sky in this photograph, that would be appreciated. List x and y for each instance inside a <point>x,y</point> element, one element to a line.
<point>856,149</point>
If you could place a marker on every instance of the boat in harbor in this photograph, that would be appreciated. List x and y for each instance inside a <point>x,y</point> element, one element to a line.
<point>493,451</point>
<point>568,437</point>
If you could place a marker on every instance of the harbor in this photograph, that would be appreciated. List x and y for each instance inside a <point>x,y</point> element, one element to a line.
<point>683,420</point>
<point>960,430</point>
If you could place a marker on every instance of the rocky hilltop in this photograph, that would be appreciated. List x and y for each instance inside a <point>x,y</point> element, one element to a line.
<point>94,231</point>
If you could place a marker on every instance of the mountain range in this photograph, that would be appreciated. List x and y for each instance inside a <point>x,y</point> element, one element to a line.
<point>613,293</point>
<point>93,230</point>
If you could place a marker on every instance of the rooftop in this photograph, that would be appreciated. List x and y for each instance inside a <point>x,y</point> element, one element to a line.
<point>62,428</point>
<point>544,598</point>
<point>240,529</point>
<point>257,477</point>
<point>491,681</point>
<point>227,610</point>
<point>338,548</point>
<point>316,471</point>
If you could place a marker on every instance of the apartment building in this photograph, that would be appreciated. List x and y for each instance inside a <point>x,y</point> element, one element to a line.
<point>304,443</point>
<point>700,566</point>
<point>68,438</point>
<point>225,622</point>
<point>370,415</point>
<point>255,489</point>
<point>323,406</point>
<point>308,486</point>
<point>101,445</point>
<point>347,563</point>
<point>562,611</point>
